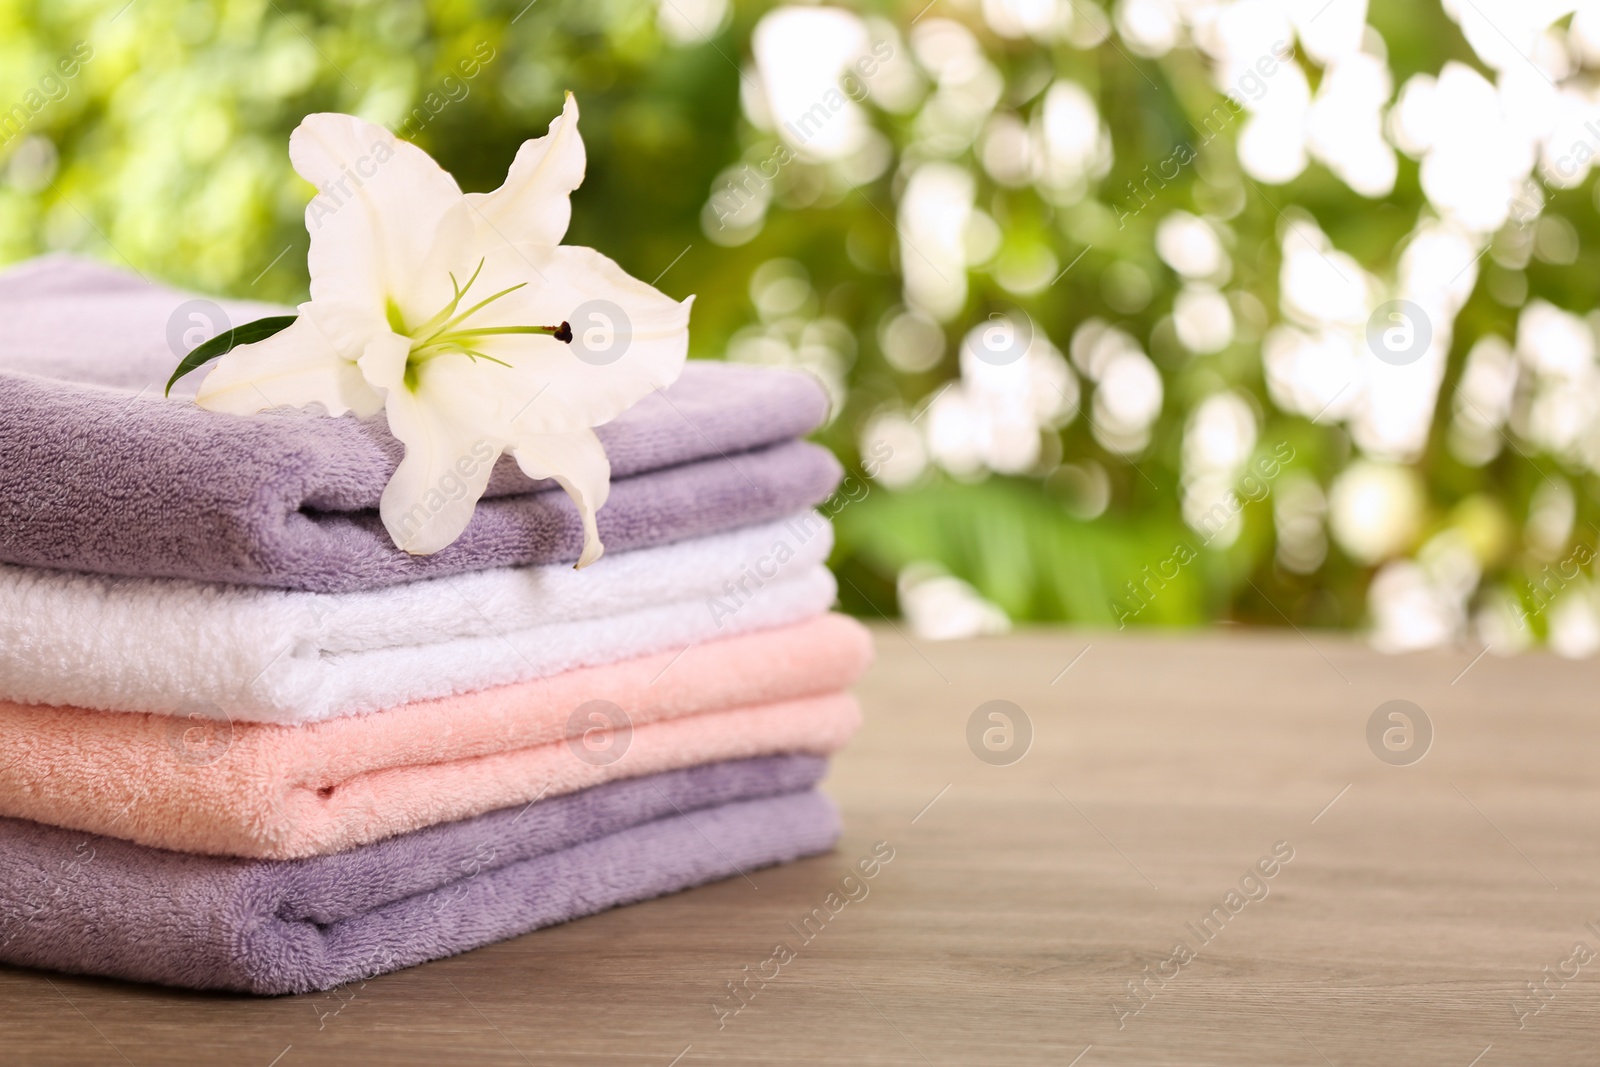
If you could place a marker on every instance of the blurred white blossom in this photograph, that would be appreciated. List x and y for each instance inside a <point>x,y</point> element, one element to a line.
<point>1129,389</point>
<point>1203,319</point>
<point>800,54</point>
<point>893,448</point>
<point>1217,442</point>
<point>934,211</point>
<point>1561,406</point>
<point>1190,246</point>
<point>1074,145</point>
<point>1299,508</point>
<point>1375,510</point>
<point>993,416</point>
<point>1575,623</point>
<point>690,22</point>
<point>942,607</point>
<point>1483,401</point>
<point>1040,19</point>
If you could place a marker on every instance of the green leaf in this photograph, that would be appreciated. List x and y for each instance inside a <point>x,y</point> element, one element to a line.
<point>227,341</point>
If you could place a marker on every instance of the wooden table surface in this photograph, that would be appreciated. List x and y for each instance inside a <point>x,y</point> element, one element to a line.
<point>1025,895</point>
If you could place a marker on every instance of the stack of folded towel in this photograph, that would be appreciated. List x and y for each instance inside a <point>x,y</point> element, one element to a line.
<point>245,743</point>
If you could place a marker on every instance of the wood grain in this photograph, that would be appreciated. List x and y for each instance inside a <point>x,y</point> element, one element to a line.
<point>1022,899</point>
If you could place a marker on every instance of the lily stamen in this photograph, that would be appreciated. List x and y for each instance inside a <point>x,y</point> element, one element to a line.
<point>479,306</point>
<point>438,336</point>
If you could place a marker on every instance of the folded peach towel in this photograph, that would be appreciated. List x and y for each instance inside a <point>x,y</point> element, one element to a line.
<point>280,792</point>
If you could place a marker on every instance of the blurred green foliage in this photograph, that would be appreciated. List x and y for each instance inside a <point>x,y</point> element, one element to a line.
<point>168,152</point>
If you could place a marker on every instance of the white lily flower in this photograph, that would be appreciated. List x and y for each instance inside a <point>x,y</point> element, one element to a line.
<point>455,314</point>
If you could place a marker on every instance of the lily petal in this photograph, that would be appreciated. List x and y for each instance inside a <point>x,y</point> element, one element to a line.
<point>295,367</point>
<point>379,203</point>
<point>444,310</point>
<point>629,338</point>
<point>534,205</point>
<point>449,457</point>
<point>577,462</point>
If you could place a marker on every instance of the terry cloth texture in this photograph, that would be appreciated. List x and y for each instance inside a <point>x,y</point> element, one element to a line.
<point>99,472</point>
<point>283,792</point>
<point>96,905</point>
<point>269,655</point>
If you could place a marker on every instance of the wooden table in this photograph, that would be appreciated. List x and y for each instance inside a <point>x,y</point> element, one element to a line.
<point>1023,898</point>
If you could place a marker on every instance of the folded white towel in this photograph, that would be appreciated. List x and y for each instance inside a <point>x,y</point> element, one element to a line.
<point>266,655</point>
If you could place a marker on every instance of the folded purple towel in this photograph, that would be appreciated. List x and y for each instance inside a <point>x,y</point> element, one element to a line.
<point>97,475</point>
<point>97,905</point>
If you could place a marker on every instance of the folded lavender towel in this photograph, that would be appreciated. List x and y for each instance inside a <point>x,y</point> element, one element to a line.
<point>99,472</point>
<point>97,905</point>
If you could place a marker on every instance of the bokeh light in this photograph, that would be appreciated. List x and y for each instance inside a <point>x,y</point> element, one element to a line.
<point>1085,281</point>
